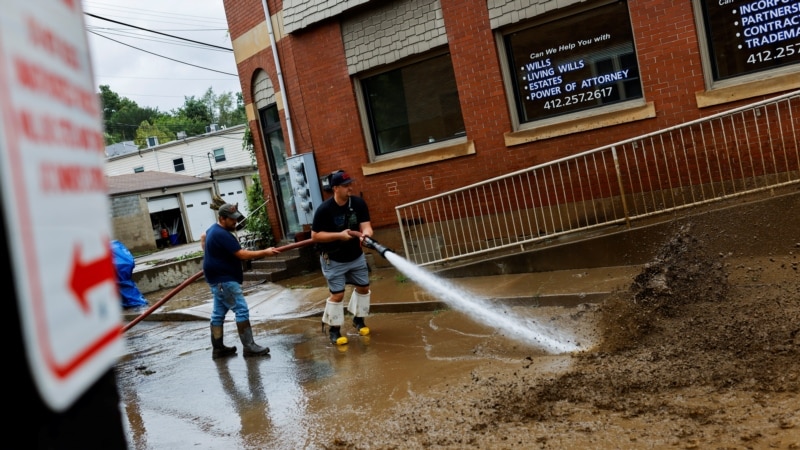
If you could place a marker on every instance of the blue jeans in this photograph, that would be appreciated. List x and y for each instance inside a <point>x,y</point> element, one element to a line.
<point>228,296</point>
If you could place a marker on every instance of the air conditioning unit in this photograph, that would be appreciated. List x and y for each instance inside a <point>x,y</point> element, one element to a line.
<point>212,127</point>
<point>181,135</point>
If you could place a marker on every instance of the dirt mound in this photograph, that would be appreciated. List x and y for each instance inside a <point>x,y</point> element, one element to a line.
<point>699,353</point>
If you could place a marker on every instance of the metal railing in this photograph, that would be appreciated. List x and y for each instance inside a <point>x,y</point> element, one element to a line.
<point>744,150</point>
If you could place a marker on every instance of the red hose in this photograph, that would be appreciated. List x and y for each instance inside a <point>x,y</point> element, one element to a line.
<point>191,280</point>
<point>158,304</point>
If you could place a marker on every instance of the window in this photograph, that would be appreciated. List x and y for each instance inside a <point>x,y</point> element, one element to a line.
<point>744,38</point>
<point>556,71</point>
<point>139,169</point>
<point>178,164</point>
<point>413,105</point>
<point>219,154</point>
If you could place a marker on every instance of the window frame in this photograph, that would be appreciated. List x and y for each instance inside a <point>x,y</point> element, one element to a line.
<point>707,62</point>
<point>138,169</point>
<point>219,154</point>
<point>363,110</point>
<point>639,106</point>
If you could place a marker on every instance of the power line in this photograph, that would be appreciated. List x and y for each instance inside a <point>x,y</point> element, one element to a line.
<point>123,24</point>
<point>141,37</point>
<point>144,12</point>
<point>162,56</point>
<point>157,32</point>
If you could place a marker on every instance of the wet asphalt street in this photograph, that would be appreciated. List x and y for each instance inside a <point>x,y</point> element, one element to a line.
<point>307,392</point>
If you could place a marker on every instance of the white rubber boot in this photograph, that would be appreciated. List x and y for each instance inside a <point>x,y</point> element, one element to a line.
<point>359,307</point>
<point>333,316</point>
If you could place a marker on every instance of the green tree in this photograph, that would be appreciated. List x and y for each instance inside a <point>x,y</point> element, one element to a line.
<point>122,116</point>
<point>146,130</point>
<point>197,111</point>
<point>258,221</point>
<point>223,110</point>
<point>176,124</point>
<point>239,116</point>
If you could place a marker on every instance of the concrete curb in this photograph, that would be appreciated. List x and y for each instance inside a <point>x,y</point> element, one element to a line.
<point>199,313</point>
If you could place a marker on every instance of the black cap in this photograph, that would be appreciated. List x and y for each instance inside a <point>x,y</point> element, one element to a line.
<point>340,178</point>
<point>228,210</point>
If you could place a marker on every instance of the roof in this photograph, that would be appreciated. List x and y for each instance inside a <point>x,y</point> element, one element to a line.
<point>299,14</point>
<point>121,148</point>
<point>234,129</point>
<point>145,181</point>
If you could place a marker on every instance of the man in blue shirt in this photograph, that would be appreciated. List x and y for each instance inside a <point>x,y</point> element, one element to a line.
<point>222,268</point>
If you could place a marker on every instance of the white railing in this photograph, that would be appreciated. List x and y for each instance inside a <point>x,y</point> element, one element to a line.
<point>744,150</point>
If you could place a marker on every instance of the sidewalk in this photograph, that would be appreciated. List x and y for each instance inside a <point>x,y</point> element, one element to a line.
<point>165,254</point>
<point>392,292</point>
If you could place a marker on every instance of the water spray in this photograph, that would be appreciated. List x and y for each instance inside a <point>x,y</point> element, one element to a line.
<point>538,334</point>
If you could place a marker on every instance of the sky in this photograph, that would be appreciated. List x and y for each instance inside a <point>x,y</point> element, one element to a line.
<point>160,71</point>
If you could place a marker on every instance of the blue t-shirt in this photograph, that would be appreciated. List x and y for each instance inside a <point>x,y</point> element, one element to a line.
<point>220,263</point>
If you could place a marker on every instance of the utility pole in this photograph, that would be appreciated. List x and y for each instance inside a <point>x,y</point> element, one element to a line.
<point>211,170</point>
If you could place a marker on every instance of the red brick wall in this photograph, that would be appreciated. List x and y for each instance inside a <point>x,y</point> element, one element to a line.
<point>325,116</point>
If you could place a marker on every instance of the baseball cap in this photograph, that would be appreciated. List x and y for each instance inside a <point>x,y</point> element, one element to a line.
<point>228,210</point>
<point>340,178</point>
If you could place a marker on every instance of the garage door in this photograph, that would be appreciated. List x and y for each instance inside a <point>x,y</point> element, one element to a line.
<point>158,204</point>
<point>232,191</point>
<point>199,212</point>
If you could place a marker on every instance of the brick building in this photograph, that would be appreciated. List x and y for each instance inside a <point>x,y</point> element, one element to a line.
<point>417,97</point>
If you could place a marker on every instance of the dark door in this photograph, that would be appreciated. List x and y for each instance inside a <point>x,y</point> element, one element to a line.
<point>278,170</point>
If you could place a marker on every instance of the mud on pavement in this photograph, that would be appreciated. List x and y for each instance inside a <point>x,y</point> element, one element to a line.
<point>699,353</point>
<point>702,351</point>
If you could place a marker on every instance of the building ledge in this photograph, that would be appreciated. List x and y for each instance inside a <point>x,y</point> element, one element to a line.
<point>438,154</point>
<point>628,114</point>
<point>741,91</point>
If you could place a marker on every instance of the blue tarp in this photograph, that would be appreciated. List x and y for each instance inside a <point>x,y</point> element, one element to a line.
<point>123,266</point>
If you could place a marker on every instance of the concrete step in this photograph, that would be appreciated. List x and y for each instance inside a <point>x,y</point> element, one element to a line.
<point>288,264</point>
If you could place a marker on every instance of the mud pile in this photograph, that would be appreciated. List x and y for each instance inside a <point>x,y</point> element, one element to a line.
<point>698,352</point>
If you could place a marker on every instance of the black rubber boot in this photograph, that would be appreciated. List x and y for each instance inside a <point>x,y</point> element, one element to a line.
<point>219,349</point>
<point>249,347</point>
<point>336,336</point>
<point>360,326</point>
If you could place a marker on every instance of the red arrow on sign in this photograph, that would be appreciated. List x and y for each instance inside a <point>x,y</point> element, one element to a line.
<point>85,276</point>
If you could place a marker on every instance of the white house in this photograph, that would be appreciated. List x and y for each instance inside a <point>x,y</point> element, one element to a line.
<point>214,163</point>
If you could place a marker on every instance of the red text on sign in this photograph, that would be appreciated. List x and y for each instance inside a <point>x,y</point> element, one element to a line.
<point>44,38</point>
<point>61,131</point>
<point>72,178</point>
<point>43,81</point>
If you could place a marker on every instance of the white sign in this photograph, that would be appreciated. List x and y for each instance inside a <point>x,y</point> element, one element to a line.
<point>54,192</point>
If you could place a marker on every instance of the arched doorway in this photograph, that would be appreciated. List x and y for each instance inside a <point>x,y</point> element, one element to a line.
<point>275,152</point>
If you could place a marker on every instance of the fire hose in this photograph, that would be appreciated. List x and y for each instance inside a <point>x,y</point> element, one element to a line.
<point>365,241</point>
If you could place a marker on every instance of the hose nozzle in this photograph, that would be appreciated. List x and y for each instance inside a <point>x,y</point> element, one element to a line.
<point>373,245</point>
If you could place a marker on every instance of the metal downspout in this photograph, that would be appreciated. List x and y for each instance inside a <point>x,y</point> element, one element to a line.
<point>280,77</point>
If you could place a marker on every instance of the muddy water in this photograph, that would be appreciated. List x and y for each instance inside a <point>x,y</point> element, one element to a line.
<point>307,393</point>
